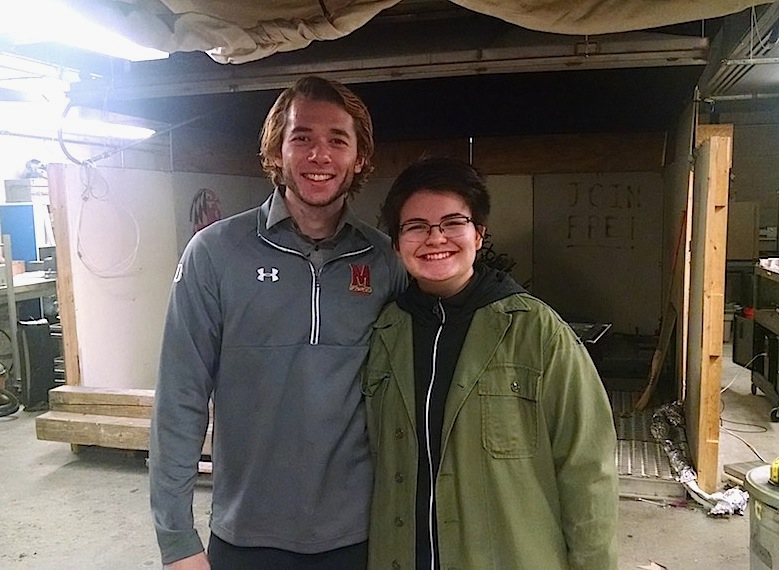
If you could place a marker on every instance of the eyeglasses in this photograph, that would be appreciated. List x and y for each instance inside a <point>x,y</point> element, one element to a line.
<point>417,231</point>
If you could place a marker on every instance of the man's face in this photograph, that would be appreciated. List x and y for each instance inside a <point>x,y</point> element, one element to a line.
<point>318,153</point>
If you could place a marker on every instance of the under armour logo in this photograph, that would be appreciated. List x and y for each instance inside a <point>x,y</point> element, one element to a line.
<point>273,274</point>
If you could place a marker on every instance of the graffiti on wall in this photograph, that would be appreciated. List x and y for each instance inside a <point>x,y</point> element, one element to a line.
<point>204,210</point>
<point>603,215</point>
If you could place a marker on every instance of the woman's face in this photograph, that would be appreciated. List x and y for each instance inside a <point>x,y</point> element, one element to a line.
<point>442,264</point>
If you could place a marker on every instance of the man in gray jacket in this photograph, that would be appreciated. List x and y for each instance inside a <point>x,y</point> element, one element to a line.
<point>269,317</point>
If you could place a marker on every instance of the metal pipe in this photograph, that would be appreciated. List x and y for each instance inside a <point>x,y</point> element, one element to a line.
<point>744,97</point>
<point>751,61</point>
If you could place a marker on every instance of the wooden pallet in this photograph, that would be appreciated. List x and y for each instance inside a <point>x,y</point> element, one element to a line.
<point>104,417</point>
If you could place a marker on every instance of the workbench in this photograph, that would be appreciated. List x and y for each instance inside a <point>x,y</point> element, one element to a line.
<point>30,285</point>
<point>26,286</point>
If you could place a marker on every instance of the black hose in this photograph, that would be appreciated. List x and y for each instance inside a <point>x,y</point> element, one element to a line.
<point>9,403</point>
<point>6,368</point>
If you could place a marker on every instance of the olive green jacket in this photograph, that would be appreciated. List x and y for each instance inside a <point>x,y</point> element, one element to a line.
<point>527,477</point>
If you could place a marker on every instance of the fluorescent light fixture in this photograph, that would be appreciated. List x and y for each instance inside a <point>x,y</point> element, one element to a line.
<point>44,120</point>
<point>37,80</point>
<point>33,96</point>
<point>102,129</point>
<point>36,21</point>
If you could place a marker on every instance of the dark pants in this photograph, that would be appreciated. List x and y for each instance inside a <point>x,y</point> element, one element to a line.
<point>225,556</point>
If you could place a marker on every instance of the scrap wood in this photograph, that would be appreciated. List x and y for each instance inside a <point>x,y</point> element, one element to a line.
<point>666,327</point>
<point>653,566</point>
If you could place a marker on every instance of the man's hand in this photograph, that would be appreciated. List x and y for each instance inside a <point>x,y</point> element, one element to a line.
<point>197,562</point>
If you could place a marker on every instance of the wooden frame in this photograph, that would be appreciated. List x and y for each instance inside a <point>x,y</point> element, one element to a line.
<point>707,294</point>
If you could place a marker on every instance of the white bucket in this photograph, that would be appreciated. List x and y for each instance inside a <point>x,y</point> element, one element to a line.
<point>763,520</point>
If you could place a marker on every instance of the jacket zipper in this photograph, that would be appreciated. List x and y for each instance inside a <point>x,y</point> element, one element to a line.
<point>427,437</point>
<point>316,320</point>
<point>315,315</point>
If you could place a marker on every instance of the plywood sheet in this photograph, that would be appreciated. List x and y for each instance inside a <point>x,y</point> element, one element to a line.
<point>597,242</point>
<point>510,225</point>
<point>200,199</point>
<point>532,154</point>
<point>564,153</point>
<point>122,251</point>
<point>743,230</point>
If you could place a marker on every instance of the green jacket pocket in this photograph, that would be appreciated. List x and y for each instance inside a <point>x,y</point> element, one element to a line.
<point>509,411</point>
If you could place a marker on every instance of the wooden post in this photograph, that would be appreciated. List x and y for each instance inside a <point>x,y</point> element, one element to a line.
<point>707,294</point>
<point>65,299</point>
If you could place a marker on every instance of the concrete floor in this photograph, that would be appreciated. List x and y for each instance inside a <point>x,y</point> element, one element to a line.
<point>62,510</point>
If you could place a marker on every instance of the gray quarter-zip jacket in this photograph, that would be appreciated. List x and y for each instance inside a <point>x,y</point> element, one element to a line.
<point>277,340</point>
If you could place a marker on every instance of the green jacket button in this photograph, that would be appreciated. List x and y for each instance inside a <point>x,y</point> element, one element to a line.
<point>399,477</point>
<point>399,521</point>
<point>399,433</point>
<point>514,386</point>
<point>395,565</point>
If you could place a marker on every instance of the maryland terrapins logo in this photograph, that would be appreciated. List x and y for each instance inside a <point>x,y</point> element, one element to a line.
<point>361,279</point>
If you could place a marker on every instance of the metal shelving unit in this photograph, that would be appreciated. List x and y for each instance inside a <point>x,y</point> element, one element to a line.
<point>763,358</point>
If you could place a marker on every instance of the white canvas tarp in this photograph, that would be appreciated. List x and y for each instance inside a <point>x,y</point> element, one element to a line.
<point>238,31</point>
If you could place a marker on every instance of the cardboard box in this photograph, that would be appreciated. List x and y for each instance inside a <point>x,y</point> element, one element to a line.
<point>18,267</point>
<point>27,190</point>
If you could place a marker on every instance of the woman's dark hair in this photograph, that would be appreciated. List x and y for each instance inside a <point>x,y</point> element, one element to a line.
<point>439,174</point>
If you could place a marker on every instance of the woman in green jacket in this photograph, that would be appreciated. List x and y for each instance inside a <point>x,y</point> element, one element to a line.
<point>492,434</point>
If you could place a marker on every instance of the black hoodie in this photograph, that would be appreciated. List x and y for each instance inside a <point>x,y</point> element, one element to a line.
<point>439,328</point>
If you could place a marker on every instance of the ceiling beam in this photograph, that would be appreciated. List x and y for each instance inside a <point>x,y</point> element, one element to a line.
<point>573,53</point>
<point>732,63</point>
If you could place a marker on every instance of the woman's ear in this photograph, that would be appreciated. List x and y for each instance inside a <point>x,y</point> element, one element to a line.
<point>481,232</point>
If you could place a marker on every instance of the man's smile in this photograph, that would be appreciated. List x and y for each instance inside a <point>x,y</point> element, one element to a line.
<point>314,177</point>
